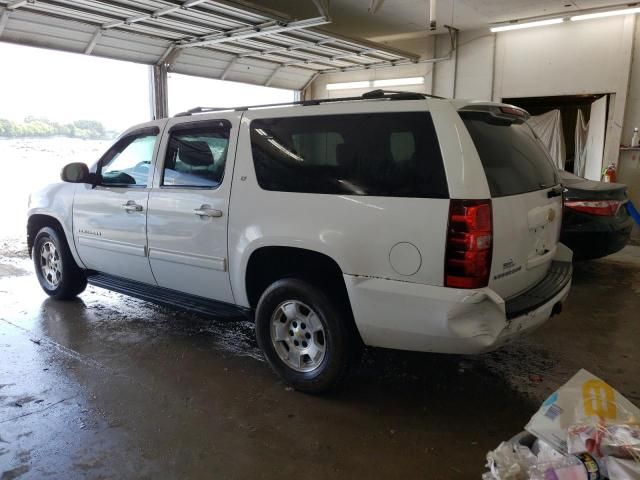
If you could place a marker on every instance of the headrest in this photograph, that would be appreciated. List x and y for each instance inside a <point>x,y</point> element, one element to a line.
<point>196,154</point>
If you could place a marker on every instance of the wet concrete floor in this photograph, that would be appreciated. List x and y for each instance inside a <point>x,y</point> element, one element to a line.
<point>112,387</point>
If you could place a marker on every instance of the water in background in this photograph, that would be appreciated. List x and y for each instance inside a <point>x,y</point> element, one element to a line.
<point>26,164</point>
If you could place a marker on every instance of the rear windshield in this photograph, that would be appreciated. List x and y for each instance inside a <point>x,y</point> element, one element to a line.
<point>377,154</point>
<point>514,160</point>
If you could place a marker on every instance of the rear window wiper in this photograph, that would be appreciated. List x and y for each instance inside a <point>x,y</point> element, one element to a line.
<point>555,192</point>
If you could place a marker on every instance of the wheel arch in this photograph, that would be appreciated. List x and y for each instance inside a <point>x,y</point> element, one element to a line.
<point>37,221</point>
<point>268,264</point>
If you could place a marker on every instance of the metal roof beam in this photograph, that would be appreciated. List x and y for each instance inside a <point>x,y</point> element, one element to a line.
<point>228,68</point>
<point>310,81</point>
<point>334,58</point>
<point>3,20</point>
<point>168,58</point>
<point>272,76</point>
<point>304,57</point>
<point>289,48</point>
<point>94,40</point>
<point>18,4</point>
<point>266,28</point>
<point>152,15</point>
<point>298,57</point>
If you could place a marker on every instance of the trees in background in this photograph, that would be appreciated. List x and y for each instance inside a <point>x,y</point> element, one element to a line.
<point>42,127</point>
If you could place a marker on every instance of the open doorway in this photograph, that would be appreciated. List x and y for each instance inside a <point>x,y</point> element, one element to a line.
<point>568,106</point>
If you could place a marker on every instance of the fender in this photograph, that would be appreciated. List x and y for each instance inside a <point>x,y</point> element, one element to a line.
<point>56,201</point>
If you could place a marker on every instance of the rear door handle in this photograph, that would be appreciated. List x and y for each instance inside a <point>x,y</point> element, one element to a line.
<point>132,206</point>
<point>207,211</point>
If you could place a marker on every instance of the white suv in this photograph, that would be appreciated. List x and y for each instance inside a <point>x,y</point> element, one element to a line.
<point>392,220</point>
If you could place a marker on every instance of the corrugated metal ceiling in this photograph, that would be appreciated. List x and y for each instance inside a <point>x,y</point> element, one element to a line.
<point>210,38</point>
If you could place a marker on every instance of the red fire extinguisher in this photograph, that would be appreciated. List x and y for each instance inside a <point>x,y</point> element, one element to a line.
<point>609,174</point>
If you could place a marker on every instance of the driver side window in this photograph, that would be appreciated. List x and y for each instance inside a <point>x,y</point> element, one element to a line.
<point>129,163</point>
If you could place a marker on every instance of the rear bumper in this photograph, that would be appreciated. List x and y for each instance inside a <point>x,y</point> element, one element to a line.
<point>409,316</point>
<point>590,245</point>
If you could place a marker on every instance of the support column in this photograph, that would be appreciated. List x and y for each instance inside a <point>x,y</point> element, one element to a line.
<point>158,91</point>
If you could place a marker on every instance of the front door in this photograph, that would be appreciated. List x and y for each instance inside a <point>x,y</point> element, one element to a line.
<point>188,208</point>
<point>109,221</point>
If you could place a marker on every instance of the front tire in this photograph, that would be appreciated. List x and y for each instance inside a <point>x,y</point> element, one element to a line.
<point>58,274</point>
<point>304,335</point>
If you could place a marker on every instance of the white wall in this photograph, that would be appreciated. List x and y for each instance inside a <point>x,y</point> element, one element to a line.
<point>629,168</point>
<point>567,59</point>
<point>473,71</point>
<point>632,112</point>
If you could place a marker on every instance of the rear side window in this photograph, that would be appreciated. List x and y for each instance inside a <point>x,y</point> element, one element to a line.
<point>514,160</point>
<point>196,157</point>
<point>379,154</point>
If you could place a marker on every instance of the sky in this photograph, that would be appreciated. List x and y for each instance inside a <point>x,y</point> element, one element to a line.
<point>65,86</point>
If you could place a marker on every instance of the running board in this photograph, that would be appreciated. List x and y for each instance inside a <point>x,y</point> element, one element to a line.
<point>169,298</point>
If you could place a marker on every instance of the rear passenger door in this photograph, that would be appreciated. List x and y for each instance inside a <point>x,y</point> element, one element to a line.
<point>188,208</point>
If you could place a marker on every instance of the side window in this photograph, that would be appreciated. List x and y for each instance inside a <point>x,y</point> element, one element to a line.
<point>376,154</point>
<point>128,162</point>
<point>196,157</point>
<point>318,148</point>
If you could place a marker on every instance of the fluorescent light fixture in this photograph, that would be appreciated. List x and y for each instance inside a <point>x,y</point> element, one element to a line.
<point>611,13</point>
<point>398,82</point>
<point>348,85</point>
<point>519,26</point>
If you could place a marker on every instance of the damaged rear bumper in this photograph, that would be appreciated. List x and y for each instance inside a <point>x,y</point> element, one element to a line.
<point>409,316</point>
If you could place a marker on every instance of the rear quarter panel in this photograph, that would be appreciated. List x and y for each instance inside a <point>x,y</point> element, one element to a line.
<point>358,232</point>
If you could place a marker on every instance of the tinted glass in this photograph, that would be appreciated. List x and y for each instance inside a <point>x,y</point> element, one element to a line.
<point>381,154</point>
<point>129,162</point>
<point>196,158</point>
<point>513,158</point>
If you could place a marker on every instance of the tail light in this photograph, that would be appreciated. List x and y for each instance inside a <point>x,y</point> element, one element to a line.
<point>469,242</point>
<point>603,208</point>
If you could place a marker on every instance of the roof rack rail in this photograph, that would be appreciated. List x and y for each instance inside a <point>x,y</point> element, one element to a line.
<point>372,95</point>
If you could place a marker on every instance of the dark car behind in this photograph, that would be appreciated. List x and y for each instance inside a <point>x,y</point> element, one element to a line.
<point>595,219</point>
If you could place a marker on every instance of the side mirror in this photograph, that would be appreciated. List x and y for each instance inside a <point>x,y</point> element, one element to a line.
<point>75,173</point>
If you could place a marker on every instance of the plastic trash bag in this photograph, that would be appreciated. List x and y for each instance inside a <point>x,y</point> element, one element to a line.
<point>509,462</point>
<point>622,469</point>
<point>585,400</point>
<point>605,439</point>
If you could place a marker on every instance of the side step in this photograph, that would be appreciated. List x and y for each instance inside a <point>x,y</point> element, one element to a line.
<point>169,298</point>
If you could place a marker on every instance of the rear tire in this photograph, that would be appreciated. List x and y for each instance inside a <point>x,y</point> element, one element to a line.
<point>57,271</point>
<point>304,335</point>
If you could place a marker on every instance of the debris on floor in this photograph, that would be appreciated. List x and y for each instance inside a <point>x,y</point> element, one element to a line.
<point>585,430</point>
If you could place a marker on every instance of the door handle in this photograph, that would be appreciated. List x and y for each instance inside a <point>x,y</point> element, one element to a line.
<point>207,211</point>
<point>132,206</point>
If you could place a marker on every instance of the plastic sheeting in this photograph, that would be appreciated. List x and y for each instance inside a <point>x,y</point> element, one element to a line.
<point>582,130</point>
<point>548,127</point>
<point>593,162</point>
